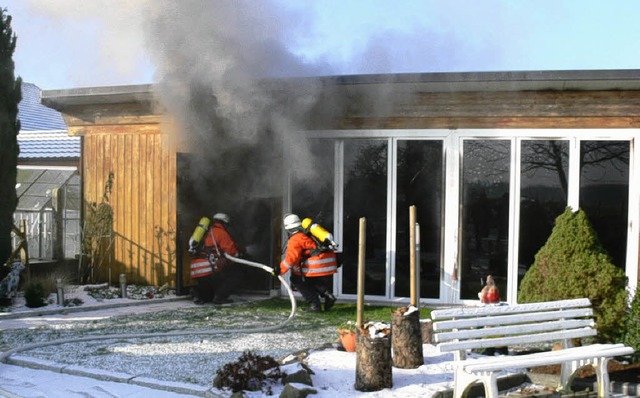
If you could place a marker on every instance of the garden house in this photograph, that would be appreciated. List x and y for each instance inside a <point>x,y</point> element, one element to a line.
<point>489,160</point>
<point>48,181</point>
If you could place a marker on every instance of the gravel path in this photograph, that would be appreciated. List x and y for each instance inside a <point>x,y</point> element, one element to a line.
<point>192,357</point>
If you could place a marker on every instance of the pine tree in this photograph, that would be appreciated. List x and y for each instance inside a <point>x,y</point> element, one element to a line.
<point>573,264</point>
<point>10,96</point>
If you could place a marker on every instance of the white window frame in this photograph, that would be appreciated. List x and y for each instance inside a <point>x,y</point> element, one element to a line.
<point>452,158</point>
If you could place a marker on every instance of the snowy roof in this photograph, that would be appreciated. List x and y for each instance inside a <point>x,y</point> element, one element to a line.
<point>43,132</point>
<point>48,144</point>
<point>35,116</point>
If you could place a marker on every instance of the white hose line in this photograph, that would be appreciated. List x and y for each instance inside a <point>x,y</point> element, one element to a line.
<point>271,271</point>
<point>4,357</point>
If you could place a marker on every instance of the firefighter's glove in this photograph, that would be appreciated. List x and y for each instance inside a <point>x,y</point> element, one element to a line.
<point>276,270</point>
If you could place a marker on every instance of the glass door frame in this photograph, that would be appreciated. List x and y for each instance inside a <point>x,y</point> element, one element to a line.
<point>516,136</point>
<point>452,158</point>
<point>392,137</point>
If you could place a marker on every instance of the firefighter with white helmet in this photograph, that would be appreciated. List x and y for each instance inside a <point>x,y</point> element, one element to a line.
<point>221,217</point>
<point>291,222</point>
<point>216,276</point>
<point>311,265</point>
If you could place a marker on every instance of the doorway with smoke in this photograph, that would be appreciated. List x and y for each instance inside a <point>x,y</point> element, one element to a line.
<point>203,190</point>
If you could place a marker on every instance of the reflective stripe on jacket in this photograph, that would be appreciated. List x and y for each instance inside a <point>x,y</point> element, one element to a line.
<point>298,258</point>
<point>216,240</point>
<point>200,267</point>
<point>323,264</point>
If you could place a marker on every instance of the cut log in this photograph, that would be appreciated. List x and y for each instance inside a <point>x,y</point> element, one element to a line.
<point>406,333</point>
<point>373,362</point>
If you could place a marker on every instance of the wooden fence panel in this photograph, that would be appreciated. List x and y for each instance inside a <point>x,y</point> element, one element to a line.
<point>143,201</point>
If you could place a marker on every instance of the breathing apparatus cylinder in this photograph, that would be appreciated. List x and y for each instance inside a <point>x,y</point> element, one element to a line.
<point>319,233</point>
<point>199,232</point>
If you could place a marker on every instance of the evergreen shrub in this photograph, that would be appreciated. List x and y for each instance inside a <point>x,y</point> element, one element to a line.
<point>573,264</point>
<point>632,327</point>
<point>49,281</point>
<point>35,295</point>
<point>10,97</point>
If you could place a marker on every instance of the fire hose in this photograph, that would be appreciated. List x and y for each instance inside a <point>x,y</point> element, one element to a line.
<point>4,357</point>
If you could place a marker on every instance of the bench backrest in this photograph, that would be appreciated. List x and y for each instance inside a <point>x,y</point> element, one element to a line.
<point>463,328</point>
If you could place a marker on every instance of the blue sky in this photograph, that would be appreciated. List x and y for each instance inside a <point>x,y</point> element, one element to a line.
<point>78,43</point>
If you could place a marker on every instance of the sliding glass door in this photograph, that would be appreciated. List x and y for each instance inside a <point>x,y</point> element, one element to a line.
<point>484,221</point>
<point>486,202</point>
<point>420,183</point>
<point>365,195</point>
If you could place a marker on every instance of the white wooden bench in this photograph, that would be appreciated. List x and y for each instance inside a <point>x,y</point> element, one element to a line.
<point>460,329</point>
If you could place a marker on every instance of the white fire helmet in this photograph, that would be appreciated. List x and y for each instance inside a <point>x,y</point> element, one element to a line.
<point>221,217</point>
<point>291,222</point>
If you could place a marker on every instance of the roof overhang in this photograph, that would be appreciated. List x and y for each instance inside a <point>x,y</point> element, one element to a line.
<point>499,81</point>
<point>628,79</point>
<point>62,99</point>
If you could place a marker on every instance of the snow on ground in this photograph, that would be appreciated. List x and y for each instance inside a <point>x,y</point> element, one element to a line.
<point>193,357</point>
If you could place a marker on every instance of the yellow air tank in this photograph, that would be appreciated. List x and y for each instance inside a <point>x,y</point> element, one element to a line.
<point>201,229</point>
<point>318,232</point>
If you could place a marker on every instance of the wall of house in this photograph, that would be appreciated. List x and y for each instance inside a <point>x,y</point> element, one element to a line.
<point>126,140</point>
<point>517,109</point>
<point>143,201</point>
<point>369,107</point>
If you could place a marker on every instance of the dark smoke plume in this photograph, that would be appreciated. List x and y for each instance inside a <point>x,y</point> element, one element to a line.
<point>220,66</point>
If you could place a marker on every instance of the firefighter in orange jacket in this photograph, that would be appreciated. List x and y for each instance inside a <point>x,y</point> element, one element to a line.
<point>216,276</point>
<point>311,268</point>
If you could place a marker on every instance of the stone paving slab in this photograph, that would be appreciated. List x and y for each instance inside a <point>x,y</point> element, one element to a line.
<point>98,375</point>
<point>18,381</point>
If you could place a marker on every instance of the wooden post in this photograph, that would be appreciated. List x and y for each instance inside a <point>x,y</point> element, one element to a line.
<point>362,245</point>
<point>417,234</point>
<point>405,323</point>
<point>373,355</point>
<point>412,254</point>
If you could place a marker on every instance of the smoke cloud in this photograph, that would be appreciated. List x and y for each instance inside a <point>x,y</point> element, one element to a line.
<point>219,69</point>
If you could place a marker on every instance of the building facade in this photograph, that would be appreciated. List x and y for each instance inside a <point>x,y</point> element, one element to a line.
<point>488,159</point>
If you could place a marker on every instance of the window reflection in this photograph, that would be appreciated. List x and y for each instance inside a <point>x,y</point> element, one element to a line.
<point>312,187</point>
<point>543,195</point>
<point>365,195</point>
<point>604,193</point>
<point>484,215</point>
<point>420,179</point>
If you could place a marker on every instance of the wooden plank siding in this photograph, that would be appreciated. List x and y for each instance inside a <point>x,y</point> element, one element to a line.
<point>143,200</point>
<point>487,122</point>
<point>483,110</point>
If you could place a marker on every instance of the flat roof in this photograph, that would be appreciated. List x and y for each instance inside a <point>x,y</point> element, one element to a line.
<point>97,95</point>
<point>565,80</point>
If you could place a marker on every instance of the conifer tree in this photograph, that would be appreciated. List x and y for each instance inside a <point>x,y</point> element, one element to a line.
<point>632,327</point>
<point>10,96</point>
<point>573,264</point>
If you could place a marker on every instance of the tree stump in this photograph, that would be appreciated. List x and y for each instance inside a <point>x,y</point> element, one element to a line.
<point>407,339</point>
<point>373,362</point>
<point>427,331</point>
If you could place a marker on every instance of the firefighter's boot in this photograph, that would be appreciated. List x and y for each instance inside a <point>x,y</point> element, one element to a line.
<point>329,300</point>
<point>313,307</point>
